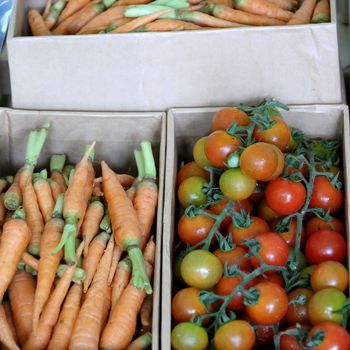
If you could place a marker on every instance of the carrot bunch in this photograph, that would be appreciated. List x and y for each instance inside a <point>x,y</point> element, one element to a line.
<point>125,16</point>
<point>86,283</point>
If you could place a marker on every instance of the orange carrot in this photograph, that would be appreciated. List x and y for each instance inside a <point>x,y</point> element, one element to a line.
<point>120,280</point>
<point>304,13</point>
<point>238,16</point>
<point>162,25</point>
<point>88,326</point>
<point>93,257</point>
<point>67,169</point>
<point>30,260</point>
<point>14,240</point>
<point>54,13</point>
<point>75,203</point>
<point>91,223</point>
<point>64,328</point>
<point>117,253</point>
<point>2,210</point>
<point>21,295</point>
<point>71,8</point>
<point>322,12</point>
<point>56,189</point>
<point>146,312</point>
<point>51,311</point>
<point>126,229</point>
<point>9,317</point>
<point>130,2</point>
<point>56,167</point>
<point>97,191</point>
<point>285,4</point>
<point>37,24</point>
<point>263,8</point>
<point>143,342</point>
<point>121,325</point>
<point>44,195</point>
<point>6,336</point>
<point>48,263</point>
<point>47,8</point>
<point>13,196</point>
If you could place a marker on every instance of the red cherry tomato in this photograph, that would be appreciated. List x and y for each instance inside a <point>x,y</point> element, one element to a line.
<point>285,197</point>
<point>235,256</point>
<point>298,313</point>
<point>191,169</point>
<point>272,277</point>
<point>266,213</point>
<point>224,118</point>
<point>317,224</point>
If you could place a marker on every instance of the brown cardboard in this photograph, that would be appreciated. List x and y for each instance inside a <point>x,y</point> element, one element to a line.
<point>185,126</point>
<point>116,136</point>
<point>157,71</point>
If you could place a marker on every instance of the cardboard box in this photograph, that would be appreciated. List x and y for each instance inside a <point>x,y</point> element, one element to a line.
<point>185,126</point>
<point>116,136</point>
<point>157,71</point>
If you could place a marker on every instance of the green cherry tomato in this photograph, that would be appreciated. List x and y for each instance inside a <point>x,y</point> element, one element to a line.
<point>190,191</point>
<point>189,336</point>
<point>201,269</point>
<point>235,185</point>
<point>198,153</point>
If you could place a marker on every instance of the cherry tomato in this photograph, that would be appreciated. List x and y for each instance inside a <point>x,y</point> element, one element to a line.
<point>272,277</point>
<point>235,256</point>
<point>330,274</point>
<point>265,212</point>
<point>264,335</point>
<point>298,313</point>
<point>186,303</point>
<point>189,336</point>
<point>218,147</point>
<point>291,234</point>
<point>235,185</point>
<point>272,304</point>
<point>224,118</point>
<point>262,161</point>
<point>258,194</point>
<point>274,250</point>
<point>288,342</point>
<point>304,170</point>
<point>190,191</point>
<point>285,197</point>
<point>201,269</point>
<point>191,169</point>
<point>335,337</point>
<point>323,304</point>
<point>279,134</point>
<point>325,245</point>
<point>198,153</point>
<point>317,224</point>
<point>325,196</point>
<point>235,335</point>
<point>256,227</point>
<point>192,230</point>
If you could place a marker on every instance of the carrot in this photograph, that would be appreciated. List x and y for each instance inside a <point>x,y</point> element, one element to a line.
<point>44,195</point>
<point>304,13</point>
<point>322,12</point>
<point>97,191</point>
<point>117,253</point>
<point>64,328</point>
<point>14,240</point>
<point>30,260</point>
<point>141,343</point>
<point>76,202</point>
<point>88,326</point>
<point>285,4</point>
<point>56,189</point>
<point>146,312</point>
<point>37,24</point>
<point>9,317</point>
<point>71,8</point>
<point>51,309</point>
<point>56,167</point>
<point>146,197</point>
<point>103,20</point>
<point>263,8</point>
<point>121,279</point>
<point>126,229</point>
<point>138,155</point>
<point>130,2</point>
<point>91,223</point>
<point>67,170</point>
<point>48,263</point>
<point>121,325</point>
<point>163,25</point>
<point>5,182</point>
<point>228,3</point>
<point>228,14</point>
<point>105,224</point>
<point>54,13</point>
<point>6,336</point>
<point>2,210</point>
<point>79,274</point>
<point>13,196</point>
<point>21,295</point>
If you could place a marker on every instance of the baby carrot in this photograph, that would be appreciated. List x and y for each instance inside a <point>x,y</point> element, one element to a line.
<point>120,280</point>
<point>64,328</point>
<point>162,25</point>
<point>322,12</point>
<point>13,196</point>
<point>97,191</point>
<point>126,229</point>
<point>285,4</point>
<point>6,336</point>
<point>146,312</point>
<point>143,342</point>
<point>37,24</point>
<point>14,240</point>
<point>54,13</point>
<point>71,8</point>
<point>9,317</point>
<point>56,168</point>
<point>304,13</point>
<point>117,253</point>
<point>21,295</point>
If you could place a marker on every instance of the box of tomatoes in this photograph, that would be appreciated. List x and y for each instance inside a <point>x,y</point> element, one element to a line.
<point>256,220</point>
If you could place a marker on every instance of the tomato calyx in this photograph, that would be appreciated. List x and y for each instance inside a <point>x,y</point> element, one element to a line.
<point>344,312</point>
<point>316,339</point>
<point>300,299</point>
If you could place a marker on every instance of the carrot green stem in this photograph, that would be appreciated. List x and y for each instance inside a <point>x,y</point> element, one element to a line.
<point>148,159</point>
<point>58,209</point>
<point>140,165</point>
<point>144,10</point>
<point>108,3</point>
<point>176,4</point>
<point>70,178</point>
<point>144,341</point>
<point>56,10</point>
<point>69,231</point>
<point>57,162</point>
<point>139,274</point>
<point>69,249</point>
<point>67,169</point>
<point>79,274</point>
<point>19,214</point>
<point>105,224</point>
<point>40,176</point>
<point>91,151</point>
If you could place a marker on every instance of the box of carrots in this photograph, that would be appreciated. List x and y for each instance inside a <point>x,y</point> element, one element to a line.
<point>112,55</point>
<point>256,228</point>
<point>81,221</point>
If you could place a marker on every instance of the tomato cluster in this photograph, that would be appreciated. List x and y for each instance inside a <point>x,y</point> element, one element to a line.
<point>261,253</point>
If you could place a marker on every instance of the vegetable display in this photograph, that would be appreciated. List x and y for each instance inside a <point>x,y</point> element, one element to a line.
<point>261,254</point>
<point>72,17</point>
<point>77,252</point>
